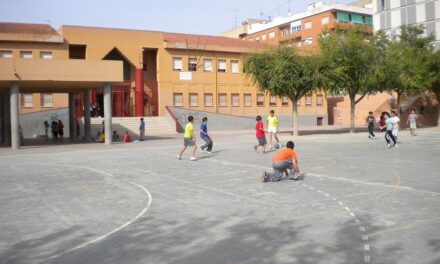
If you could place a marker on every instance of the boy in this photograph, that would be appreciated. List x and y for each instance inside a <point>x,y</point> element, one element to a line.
<point>142,129</point>
<point>396,122</point>
<point>389,132</point>
<point>272,125</point>
<point>188,139</point>
<point>261,137</point>
<point>369,122</point>
<point>281,162</point>
<point>204,135</point>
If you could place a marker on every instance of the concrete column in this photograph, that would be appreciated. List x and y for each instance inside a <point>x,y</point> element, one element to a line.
<point>139,92</point>
<point>108,113</point>
<point>87,130</point>
<point>72,116</point>
<point>15,130</point>
<point>7,119</point>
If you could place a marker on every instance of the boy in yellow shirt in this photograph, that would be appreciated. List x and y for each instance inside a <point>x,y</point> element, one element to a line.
<point>188,139</point>
<point>272,127</point>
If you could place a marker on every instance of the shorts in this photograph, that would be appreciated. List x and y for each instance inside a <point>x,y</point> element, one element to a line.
<point>413,125</point>
<point>188,142</point>
<point>272,130</point>
<point>262,141</point>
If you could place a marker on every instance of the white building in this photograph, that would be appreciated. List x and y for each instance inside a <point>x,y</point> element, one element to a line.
<point>389,15</point>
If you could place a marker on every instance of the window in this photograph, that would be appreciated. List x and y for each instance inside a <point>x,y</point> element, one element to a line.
<point>319,99</point>
<point>308,41</point>
<point>207,65</point>
<point>26,54</point>
<point>46,55</point>
<point>308,25</point>
<point>178,99</point>
<point>284,101</point>
<point>342,17</point>
<point>235,100</point>
<point>78,52</point>
<point>285,31</point>
<point>208,99</point>
<point>193,99</point>
<point>357,19</point>
<point>260,99</point>
<point>221,66</point>
<point>257,39</point>
<point>222,99</point>
<point>26,100</point>
<point>192,64</point>
<point>296,28</point>
<point>46,100</point>
<point>325,20</point>
<point>271,35</point>
<point>235,66</point>
<point>177,64</point>
<point>308,100</point>
<point>5,53</point>
<point>272,100</point>
<point>247,100</point>
<point>263,38</point>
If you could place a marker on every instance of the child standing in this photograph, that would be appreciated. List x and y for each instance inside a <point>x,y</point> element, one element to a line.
<point>369,122</point>
<point>141,129</point>
<point>272,127</point>
<point>261,137</point>
<point>412,122</point>
<point>389,130</point>
<point>204,135</point>
<point>282,162</point>
<point>188,139</point>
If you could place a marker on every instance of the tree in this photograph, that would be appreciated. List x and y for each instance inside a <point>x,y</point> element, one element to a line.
<point>405,67</point>
<point>351,57</point>
<point>285,73</point>
<point>434,71</point>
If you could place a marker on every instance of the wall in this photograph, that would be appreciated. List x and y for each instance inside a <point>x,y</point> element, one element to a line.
<point>32,124</point>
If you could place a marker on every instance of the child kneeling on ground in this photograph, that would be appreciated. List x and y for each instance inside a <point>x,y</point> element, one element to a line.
<point>284,161</point>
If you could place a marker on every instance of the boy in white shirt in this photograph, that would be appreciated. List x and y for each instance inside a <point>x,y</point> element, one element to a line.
<point>396,122</point>
<point>272,127</point>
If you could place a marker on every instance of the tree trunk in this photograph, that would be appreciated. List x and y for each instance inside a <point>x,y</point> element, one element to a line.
<point>352,113</point>
<point>295,117</point>
<point>399,95</point>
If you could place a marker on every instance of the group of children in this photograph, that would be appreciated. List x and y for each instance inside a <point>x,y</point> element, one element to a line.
<point>189,140</point>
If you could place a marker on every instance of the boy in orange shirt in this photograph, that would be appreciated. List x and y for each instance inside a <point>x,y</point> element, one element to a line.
<point>282,162</point>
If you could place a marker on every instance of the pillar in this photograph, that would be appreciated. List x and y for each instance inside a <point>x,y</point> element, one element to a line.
<point>15,130</point>
<point>72,122</point>
<point>86,99</point>
<point>139,92</point>
<point>108,113</point>
<point>7,119</point>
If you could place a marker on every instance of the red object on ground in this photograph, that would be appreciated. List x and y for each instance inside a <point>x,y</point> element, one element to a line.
<point>139,92</point>
<point>126,138</point>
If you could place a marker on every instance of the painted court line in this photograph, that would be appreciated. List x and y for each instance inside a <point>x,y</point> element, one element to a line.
<point>139,215</point>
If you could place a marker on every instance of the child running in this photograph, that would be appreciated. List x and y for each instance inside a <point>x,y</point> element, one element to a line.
<point>188,139</point>
<point>261,137</point>
<point>286,162</point>
<point>204,135</point>
<point>272,127</point>
<point>396,122</point>
<point>389,124</point>
<point>369,122</point>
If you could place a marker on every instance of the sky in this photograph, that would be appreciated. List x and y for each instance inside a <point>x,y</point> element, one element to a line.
<point>207,17</point>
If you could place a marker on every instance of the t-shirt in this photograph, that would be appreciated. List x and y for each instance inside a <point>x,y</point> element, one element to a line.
<point>142,126</point>
<point>389,123</point>
<point>204,128</point>
<point>370,121</point>
<point>273,121</point>
<point>259,127</point>
<point>412,118</point>
<point>284,155</point>
<point>188,130</point>
<point>396,121</point>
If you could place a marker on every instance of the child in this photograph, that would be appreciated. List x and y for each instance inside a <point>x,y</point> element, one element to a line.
<point>389,130</point>
<point>282,162</point>
<point>60,129</point>
<point>261,137</point>
<point>142,129</point>
<point>412,122</point>
<point>396,122</point>
<point>369,122</point>
<point>204,135</point>
<point>188,139</point>
<point>115,136</point>
<point>126,138</point>
<point>272,125</point>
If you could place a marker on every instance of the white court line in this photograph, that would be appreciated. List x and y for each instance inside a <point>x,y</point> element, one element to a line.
<point>150,200</point>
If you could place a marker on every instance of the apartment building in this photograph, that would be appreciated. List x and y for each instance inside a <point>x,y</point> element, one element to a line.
<point>303,29</point>
<point>390,15</point>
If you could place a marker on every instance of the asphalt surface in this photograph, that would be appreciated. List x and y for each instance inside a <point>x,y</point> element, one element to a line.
<point>136,203</point>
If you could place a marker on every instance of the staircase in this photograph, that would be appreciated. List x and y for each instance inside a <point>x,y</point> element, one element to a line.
<point>154,125</point>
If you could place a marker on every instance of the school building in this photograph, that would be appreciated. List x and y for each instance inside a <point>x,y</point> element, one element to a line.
<point>129,73</point>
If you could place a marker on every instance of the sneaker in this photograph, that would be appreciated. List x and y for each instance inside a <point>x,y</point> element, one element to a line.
<point>179,157</point>
<point>207,152</point>
<point>396,146</point>
<point>263,177</point>
<point>388,146</point>
<point>201,149</point>
<point>255,148</point>
<point>270,147</point>
<point>193,158</point>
